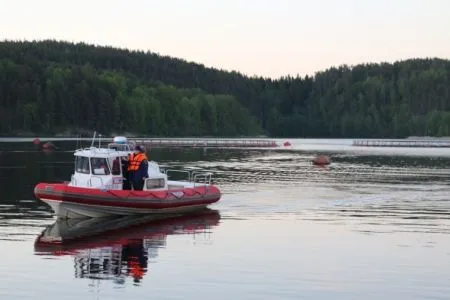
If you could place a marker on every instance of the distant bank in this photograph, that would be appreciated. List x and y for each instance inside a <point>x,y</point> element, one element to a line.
<point>53,86</point>
<point>409,142</point>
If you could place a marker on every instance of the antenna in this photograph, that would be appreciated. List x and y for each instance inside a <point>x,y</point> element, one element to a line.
<point>93,139</point>
<point>99,140</point>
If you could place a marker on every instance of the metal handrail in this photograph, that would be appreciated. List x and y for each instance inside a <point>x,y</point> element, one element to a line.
<point>166,171</point>
<point>200,173</point>
<point>192,175</point>
<point>206,176</point>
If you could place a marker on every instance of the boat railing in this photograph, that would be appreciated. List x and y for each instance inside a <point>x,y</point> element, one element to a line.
<point>167,171</point>
<point>192,176</point>
<point>86,148</point>
<point>205,175</point>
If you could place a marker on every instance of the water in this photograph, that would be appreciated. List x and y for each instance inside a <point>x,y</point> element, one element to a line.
<point>375,224</point>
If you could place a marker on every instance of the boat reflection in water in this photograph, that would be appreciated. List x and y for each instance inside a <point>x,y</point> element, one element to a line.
<point>116,247</point>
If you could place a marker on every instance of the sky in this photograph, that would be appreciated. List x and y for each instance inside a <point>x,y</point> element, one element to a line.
<point>269,38</point>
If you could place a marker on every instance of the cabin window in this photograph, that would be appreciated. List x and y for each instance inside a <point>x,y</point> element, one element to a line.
<point>155,183</point>
<point>82,164</point>
<point>99,166</point>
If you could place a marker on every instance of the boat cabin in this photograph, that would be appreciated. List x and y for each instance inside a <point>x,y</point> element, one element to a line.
<point>103,168</point>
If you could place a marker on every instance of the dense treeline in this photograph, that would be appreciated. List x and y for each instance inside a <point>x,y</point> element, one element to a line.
<point>54,98</point>
<point>51,86</point>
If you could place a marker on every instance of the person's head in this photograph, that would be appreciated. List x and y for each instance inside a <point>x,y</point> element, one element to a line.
<point>139,148</point>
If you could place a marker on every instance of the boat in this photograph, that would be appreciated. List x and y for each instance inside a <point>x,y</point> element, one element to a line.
<point>96,187</point>
<point>117,247</point>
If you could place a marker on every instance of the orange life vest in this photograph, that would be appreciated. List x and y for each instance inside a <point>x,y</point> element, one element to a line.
<point>136,270</point>
<point>135,161</point>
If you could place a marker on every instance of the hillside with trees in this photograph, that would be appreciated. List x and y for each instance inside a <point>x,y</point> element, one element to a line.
<point>51,87</point>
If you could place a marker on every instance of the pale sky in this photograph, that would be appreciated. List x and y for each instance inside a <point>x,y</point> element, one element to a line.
<point>270,38</point>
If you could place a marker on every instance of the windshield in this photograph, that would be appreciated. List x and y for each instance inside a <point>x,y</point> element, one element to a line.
<point>82,165</point>
<point>99,166</point>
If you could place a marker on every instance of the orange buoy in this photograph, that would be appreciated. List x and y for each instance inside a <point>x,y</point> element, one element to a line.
<point>48,146</point>
<point>321,160</point>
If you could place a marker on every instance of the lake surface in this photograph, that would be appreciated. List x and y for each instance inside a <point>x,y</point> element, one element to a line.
<point>375,224</point>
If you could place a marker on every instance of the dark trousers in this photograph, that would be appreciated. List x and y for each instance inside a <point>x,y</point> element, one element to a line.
<point>126,184</point>
<point>138,185</point>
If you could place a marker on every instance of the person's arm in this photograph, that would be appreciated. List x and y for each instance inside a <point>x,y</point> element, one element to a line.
<point>143,169</point>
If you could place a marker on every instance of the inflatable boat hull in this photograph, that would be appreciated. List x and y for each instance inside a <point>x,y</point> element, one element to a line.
<point>75,202</point>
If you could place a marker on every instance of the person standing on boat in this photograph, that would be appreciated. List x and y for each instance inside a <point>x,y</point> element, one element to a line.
<point>138,168</point>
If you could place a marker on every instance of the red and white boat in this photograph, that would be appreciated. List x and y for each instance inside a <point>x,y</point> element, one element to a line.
<point>96,187</point>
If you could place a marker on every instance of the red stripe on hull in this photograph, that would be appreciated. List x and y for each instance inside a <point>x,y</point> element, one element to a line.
<point>129,199</point>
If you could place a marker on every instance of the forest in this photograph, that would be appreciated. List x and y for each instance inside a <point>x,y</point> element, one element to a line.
<point>55,87</point>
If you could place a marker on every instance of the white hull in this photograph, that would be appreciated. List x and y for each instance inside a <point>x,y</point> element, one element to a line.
<point>74,210</point>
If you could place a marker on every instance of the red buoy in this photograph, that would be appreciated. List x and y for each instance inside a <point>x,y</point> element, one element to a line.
<point>287,144</point>
<point>321,160</point>
<point>36,141</point>
<point>48,146</point>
